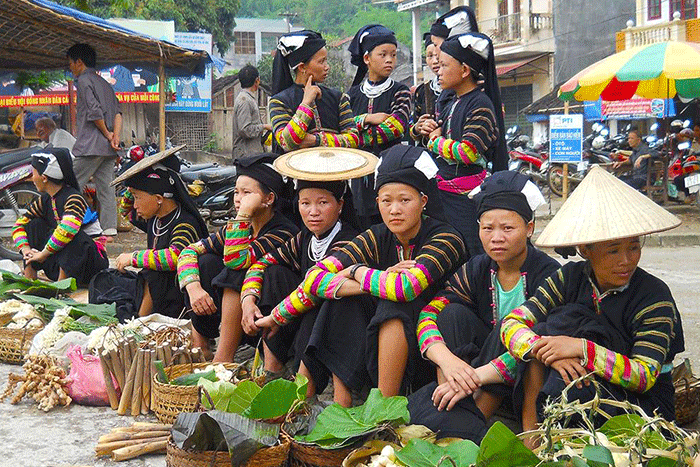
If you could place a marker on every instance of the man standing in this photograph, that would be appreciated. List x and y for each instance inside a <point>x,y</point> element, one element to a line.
<point>248,127</point>
<point>50,135</point>
<point>99,123</point>
<point>639,160</point>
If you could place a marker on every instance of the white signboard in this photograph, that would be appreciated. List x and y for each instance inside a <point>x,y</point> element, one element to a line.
<point>566,138</point>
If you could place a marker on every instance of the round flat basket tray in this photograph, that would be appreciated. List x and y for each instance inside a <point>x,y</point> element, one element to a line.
<point>15,343</point>
<point>275,456</point>
<point>304,455</point>
<point>171,400</point>
<point>687,400</point>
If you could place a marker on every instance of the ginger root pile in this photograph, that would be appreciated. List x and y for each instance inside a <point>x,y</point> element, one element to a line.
<point>44,380</point>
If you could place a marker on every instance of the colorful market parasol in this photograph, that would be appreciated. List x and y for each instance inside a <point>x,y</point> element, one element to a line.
<point>651,71</point>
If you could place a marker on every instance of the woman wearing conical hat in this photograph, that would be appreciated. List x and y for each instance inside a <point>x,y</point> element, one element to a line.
<point>604,315</point>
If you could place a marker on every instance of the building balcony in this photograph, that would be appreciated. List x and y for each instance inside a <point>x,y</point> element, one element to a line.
<point>516,28</point>
<point>676,30</point>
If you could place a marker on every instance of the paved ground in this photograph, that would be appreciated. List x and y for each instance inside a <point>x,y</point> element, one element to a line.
<point>67,437</point>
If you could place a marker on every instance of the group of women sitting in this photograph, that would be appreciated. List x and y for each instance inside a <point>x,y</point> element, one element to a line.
<point>394,294</point>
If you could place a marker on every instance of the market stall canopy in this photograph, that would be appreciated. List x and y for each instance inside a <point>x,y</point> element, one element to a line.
<point>35,35</point>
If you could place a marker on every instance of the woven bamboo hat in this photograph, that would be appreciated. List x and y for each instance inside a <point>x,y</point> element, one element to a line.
<point>326,164</point>
<point>604,208</point>
<point>145,163</point>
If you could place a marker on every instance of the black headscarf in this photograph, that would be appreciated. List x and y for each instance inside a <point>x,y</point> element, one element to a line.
<point>340,191</point>
<point>259,167</point>
<point>366,39</point>
<point>163,179</point>
<point>410,165</point>
<point>504,190</point>
<point>427,40</point>
<point>48,158</point>
<point>456,21</point>
<point>476,51</point>
<point>293,49</point>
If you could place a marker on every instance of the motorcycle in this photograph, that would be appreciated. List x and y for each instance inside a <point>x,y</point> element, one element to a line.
<point>532,162</point>
<point>212,190</point>
<point>576,172</point>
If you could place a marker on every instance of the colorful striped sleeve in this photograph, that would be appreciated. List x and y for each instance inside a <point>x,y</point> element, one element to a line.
<point>19,235</point>
<point>166,259</point>
<point>69,225</point>
<point>289,127</point>
<point>392,128</point>
<point>507,366</point>
<point>479,133</point>
<point>437,257</point>
<point>188,260</point>
<point>348,136</point>
<point>516,333</point>
<point>427,331</point>
<point>653,331</point>
<point>286,255</point>
<point>238,252</point>
<point>126,203</point>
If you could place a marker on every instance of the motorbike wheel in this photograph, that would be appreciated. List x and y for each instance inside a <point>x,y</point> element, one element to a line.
<point>23,194</point>
<point>555,179</point>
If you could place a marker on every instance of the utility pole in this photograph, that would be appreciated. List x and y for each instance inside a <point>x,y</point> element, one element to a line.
<point>288,17</point>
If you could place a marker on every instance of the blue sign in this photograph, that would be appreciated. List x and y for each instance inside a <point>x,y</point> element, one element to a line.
<point>566,138</point>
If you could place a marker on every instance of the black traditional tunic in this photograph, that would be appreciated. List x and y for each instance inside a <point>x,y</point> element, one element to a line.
<point>388,97</point>
<point>344,339</point>
<point>330,119</point>
<point>55,223</point>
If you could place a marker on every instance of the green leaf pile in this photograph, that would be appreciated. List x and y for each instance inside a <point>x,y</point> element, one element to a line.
<point>338,426</point>
<point>421,453</point>
<point>97,315</point>
<point>12,283</point>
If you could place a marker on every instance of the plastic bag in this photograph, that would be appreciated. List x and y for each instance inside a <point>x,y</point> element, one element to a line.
<point>87,385</point>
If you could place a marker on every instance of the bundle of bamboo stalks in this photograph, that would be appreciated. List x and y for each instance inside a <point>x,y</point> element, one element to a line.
<point>131,365</point>
<point>140,438</point>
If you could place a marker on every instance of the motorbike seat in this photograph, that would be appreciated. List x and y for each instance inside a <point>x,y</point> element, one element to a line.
<point>210,175</point>
<point>12,159</point>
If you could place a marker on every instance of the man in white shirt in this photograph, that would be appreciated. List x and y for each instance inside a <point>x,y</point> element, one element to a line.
<point>48,133</point>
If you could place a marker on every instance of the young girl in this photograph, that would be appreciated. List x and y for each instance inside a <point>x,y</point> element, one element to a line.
<point>50,234</point>
<point>212,270</point>
<point>156,201</point>
<point>426,94</point>
<point>303,112</point>
<point>603,315</point>
<point>376,285</point>
<point>380,105</point>
<point>329,223</point>
<point>459,330</point>
<point>471,133</point>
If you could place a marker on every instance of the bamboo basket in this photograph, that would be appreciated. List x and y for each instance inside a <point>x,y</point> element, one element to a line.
<point>170,400</point>
<point>687,400</point>
<point>275,456</point>
<point>15,343</point>
<point>304,455</point>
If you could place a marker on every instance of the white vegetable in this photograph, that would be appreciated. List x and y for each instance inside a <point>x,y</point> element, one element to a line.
<point>388,452</point>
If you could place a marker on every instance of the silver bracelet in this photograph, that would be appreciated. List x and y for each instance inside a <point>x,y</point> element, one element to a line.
<point>335,292</point>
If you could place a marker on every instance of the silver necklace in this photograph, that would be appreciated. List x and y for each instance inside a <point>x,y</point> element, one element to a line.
<point>373,91</point>
<point>317,248</point>
<point>158,229</point>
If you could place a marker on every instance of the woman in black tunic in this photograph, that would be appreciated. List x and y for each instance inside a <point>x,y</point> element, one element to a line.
<point>470,135</point>
<point>157,203</point>
<point>376,285</point>
<point>303,112</point>
<point>329,223</point>
<point>426,94</point>
<point>50,234</point>
<point>380,105</point>
<point>212,270</point>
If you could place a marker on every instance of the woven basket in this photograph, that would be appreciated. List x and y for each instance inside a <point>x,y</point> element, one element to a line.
<point>687,400</point>
<point>15,343</point>
<point>275,456</point>
<point>171,400</point>
<point>303,455</point>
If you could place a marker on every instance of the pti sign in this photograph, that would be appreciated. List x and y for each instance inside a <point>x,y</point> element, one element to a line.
<point>566,138</point>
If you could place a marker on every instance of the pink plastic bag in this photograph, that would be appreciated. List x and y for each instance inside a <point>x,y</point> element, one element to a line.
<point>87,384</point>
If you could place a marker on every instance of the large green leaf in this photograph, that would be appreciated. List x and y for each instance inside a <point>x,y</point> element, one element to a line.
<point>620,428</point>
<point>336,425</point>
<point>598,455</point>
<point>274,400</point>
<point>422,453</point>
<point>220,393</point>
<point>501,448</point>
<point>11,281</point>
<point>242,396</point>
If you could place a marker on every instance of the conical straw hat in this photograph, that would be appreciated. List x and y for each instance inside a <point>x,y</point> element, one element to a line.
<point>326,164</point>
<point>604,208</point>
<point>146,162</point>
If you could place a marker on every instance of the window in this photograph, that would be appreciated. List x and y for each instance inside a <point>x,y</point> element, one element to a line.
<point>268,42</point>
<point>244,43</point>
<point>654,9</point>
<point>687,8</point>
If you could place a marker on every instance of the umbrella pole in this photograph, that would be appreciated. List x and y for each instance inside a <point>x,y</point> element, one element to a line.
<point>665,160</point>
<point>565,169</point>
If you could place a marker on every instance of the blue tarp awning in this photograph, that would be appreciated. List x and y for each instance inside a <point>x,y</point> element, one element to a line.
<point>35,34</point>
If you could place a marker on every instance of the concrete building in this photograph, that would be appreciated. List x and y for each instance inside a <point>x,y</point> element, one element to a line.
<point>254,37</point>
<point>660,20</point>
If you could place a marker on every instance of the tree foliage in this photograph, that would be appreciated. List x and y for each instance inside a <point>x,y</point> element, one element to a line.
<point>213,16</point>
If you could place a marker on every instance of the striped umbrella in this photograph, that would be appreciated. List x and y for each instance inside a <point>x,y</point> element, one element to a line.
<point>654,71</point>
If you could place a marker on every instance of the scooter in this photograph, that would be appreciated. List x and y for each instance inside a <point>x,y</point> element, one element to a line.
<point>212,189</point>
<point>576,172</point>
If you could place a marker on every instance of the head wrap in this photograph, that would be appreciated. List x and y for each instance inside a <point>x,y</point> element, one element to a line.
<point>163,178</point>
<point>292,50</point>
<point>476,51</point>
<point>259,167</point>
<point>427,40</point>
<point>366,39</point>
<point>456,21</point>
<point>340,191</point>
<point>413,166</point>
<point>57,164</point>
<point>508,190</point>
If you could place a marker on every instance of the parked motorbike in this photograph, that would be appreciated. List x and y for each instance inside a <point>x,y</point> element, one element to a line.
<point>531,161</point>
<point>212,189</point>
<point>576,172</point>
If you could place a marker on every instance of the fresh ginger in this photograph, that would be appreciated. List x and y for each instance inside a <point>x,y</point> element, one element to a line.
<point>44,380</point>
